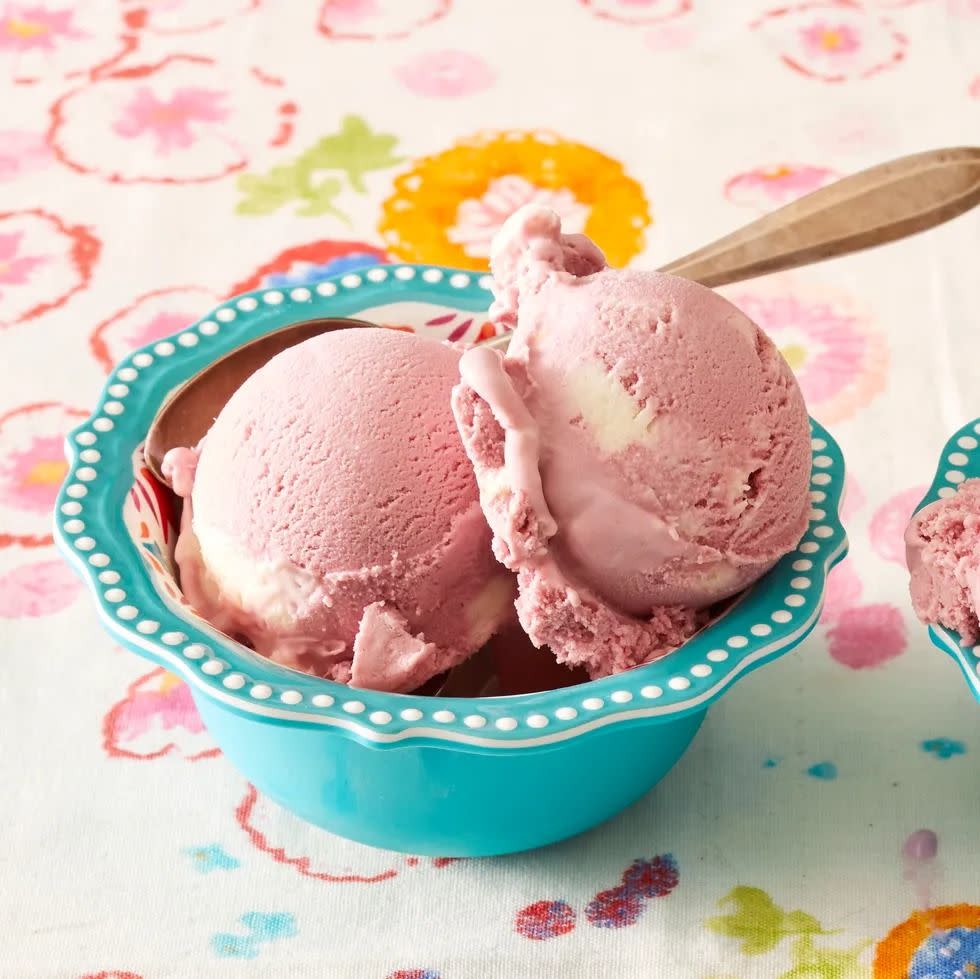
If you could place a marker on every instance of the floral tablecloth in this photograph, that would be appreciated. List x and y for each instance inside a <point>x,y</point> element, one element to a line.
<point>158,155</point>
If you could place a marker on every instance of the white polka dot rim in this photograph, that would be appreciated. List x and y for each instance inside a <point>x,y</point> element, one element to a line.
<point>543,717</point>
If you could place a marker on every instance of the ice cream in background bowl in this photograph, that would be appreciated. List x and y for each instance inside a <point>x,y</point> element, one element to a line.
<point>426,774</point>
<point>943,554</point>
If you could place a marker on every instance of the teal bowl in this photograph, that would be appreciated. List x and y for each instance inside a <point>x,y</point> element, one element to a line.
<point>426,775</point>
<point>960,460</point>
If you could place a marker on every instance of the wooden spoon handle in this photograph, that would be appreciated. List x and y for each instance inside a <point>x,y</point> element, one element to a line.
<point>869,208</point>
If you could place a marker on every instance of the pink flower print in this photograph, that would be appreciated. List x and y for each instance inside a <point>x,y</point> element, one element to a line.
<point>43,262</point>
<point>36,589</point>
<point>479,219</point>
<point>888,524</point>
<point>40,41</point>
<point>669,37</point>
<point>839,358</point>
<point>445,74</point>
<point>150,316</point>
<point>32,468</point>
<point>30,478</point>
<point>867,636</point>
<point>21,152</point>
<point>170,121</point>
<point>157,717</point>
<point>821,39</point>
<point>184,120</point>
<point>773,186</point>
<point>372,20</point>
<point>638,11</point>
<point>832,40</point>
<point>353,11</point>
<point>975,87</point>
<point>15,268</point>
<point>964,8</point>
<point>844,590</point>
<point>23,28</point>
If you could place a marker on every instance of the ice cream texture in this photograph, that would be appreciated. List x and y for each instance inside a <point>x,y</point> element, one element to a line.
<point>332,519</point>
<point>942,546</point>
<point>642,450</point>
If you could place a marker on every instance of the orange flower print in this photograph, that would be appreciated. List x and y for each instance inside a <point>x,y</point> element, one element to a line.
<point>832,40</point>
<point>839,357</point>
<point>932,944</point>
<point>448,207</point>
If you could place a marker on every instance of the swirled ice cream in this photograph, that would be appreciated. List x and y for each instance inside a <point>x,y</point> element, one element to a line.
<point>642,450</point>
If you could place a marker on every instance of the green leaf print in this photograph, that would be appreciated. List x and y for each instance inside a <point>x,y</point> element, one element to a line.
<point>823,963</point>
<point>759,923</point>
<point>355,150</point>
<point>316,178</point>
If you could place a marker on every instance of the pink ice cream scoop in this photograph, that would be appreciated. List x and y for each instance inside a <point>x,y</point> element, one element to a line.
<point>643,450</point>
<point>332,519</point>
<point>942,546</point>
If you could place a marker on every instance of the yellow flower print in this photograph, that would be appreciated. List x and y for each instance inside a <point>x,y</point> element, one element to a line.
<point>448,207</point>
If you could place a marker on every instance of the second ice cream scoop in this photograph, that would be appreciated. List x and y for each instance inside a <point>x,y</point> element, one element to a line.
<point>642,452</point>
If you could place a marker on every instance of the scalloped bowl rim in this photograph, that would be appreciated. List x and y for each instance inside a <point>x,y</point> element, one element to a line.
<point>948,640</point>
<point>772,617</point>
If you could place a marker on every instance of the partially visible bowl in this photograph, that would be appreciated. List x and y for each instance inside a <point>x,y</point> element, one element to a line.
<point>441,776</point>
<point>960,460</point>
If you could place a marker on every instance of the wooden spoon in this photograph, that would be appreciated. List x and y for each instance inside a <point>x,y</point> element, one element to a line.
<point>887,202</point>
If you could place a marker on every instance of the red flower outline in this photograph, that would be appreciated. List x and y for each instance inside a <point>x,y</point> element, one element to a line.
<point>85,250</point>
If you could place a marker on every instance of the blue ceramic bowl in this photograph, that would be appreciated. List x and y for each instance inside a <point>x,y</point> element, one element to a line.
<point>449,777</point>
<point>960,460</point>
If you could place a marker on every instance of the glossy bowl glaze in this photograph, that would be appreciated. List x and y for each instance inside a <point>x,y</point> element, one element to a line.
<point>442,776</point>
<point>960,460</point>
